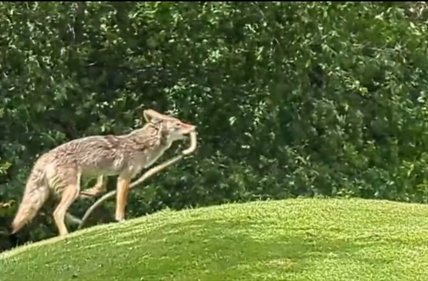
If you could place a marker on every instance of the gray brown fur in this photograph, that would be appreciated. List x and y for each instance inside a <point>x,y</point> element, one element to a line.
<point>60,170</point>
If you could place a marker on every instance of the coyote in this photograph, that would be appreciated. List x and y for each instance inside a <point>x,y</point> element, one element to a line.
<point>59,171</point>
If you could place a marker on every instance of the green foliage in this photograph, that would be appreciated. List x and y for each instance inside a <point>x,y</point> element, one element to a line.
<point>290,99</point>
<point>296,239</point>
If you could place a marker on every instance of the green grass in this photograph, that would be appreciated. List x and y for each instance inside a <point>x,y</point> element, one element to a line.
<point>303,239</point>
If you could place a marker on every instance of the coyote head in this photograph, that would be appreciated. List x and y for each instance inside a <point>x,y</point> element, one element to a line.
<point>172,128</point>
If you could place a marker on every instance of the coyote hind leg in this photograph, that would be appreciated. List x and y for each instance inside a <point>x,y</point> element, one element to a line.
<point>100,186</point>
<point>69,194</point>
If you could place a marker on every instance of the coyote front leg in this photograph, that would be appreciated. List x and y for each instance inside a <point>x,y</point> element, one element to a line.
<point>121,196</point>
<point>100,186</point>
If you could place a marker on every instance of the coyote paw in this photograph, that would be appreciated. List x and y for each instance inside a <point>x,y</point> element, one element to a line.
<point>90,192</point>
<point>119,219</point>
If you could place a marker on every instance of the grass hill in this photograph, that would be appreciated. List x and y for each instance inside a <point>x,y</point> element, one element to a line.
<point>302,239</point>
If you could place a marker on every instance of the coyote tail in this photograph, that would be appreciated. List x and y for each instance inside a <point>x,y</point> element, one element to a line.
<point>35,195</point>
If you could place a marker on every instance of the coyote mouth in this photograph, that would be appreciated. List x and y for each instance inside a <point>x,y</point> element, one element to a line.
<point>188,134</point>
<point>188,129</point>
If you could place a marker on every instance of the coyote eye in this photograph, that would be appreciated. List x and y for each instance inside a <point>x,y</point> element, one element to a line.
<point>177,125</point>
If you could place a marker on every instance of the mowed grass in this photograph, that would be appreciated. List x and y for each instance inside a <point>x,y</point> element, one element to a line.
<point>301,239</point>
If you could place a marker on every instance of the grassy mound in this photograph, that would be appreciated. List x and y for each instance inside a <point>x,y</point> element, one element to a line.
<point>304,239</point>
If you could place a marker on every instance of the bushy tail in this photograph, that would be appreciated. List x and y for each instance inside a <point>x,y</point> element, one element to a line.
<point>35,195</point>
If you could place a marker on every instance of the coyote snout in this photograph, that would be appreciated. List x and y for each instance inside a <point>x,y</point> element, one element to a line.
<point>60,170</point>
<point>174,129</point>
<point>179,131</point>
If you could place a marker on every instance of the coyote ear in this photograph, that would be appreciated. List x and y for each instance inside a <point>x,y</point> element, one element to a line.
<point>146,116</point>
<point>152,116</point>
